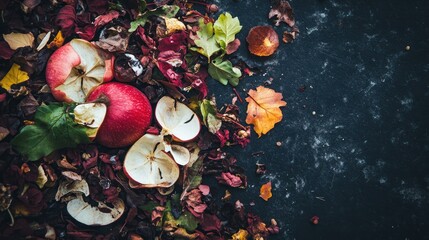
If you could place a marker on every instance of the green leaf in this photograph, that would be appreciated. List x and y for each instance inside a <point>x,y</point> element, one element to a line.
<point>149,206</point>
<point>187,221</point>
<point>208,112</point>
<point>142,5</point>
<point>194,175</point>
<point>225,29</point>
<point>224,72</point>
<point>168,11</point>
<point>54,129</point>
<point>206,42</point>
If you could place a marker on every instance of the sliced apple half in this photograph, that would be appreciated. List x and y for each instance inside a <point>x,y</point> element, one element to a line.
<point>148,165</point>
<point>90,115</point>
<point>100,215</point>
<point>76,68</point>
<point>177,119</point>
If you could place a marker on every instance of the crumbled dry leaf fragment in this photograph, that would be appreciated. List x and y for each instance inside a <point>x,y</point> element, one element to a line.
<point>14,76</point>
<point>58,40</point>
<point>3,133</point>
<point>265,191</point>
<point>42,179</point>
<point>264,110</point>
<point>240,235</point>
<point>283,12</point>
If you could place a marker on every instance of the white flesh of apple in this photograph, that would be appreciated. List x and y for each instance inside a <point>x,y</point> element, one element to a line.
<point>90,115</point>
<point>180,154</point>
<point>84,213</point>
<point>89,74</point>
<point>148,164</point>
<point>76,186</point>
<point>177,119</point>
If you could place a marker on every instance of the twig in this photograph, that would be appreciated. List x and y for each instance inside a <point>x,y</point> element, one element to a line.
<point>237,94</point>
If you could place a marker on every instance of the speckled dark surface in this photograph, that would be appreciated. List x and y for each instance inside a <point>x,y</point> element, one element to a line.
<point>355,143</point>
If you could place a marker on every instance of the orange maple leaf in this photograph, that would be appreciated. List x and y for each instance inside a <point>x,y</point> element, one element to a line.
<point>263,110</point>
<point>265,191</point>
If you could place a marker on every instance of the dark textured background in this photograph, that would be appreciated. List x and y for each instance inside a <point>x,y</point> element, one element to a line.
<point>365,150</point>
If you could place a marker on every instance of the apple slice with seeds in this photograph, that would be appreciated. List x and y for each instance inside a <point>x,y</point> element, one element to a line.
<point>148,165</point>
<point>90,115</point>
<point>177,119</point>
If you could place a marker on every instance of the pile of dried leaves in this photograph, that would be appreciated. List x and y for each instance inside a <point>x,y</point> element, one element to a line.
<point>180,49</point>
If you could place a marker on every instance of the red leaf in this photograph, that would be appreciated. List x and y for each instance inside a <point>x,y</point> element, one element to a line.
<point>176,42</point>
<point>230,179</point>
<point>205,190</point>
<point>233,46</point>
<point>97,6</point>
<point>106,18</point>
<point>86,32</point>
<point>5,51</point>
<point>66,20</point>
<point>210,223</point>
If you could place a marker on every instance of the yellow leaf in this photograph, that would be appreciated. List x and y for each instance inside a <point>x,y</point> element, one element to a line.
<point>240,235</point>
<point>14,76</point>
<point>263,110</point>
<point>265,191</point>
<point>17,40</point>
<point>58,40</point>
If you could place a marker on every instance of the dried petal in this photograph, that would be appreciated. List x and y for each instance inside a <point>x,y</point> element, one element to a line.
<point>265,191</point>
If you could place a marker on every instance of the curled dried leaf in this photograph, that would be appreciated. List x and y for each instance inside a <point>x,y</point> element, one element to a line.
<point>262,40</point>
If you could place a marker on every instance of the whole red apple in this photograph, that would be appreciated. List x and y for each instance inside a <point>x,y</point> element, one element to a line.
<point>128,116</point>
<point>76,68</point>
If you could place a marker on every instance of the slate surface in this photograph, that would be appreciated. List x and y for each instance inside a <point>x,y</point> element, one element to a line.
<point>355,143</point>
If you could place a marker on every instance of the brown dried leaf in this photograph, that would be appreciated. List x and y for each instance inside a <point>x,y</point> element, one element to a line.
<point>283,12</point>
<point>18,40</point>
<point>72,175</point>
<point>3,133</point>
<point>264,110</point>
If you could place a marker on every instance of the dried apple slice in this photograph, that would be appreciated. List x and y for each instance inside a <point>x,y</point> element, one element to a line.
<point>90,115</point>
<point>181,155</point>
<point>148,165</point>
<point>77,187</point>
<point>100,215</point>
<point>177,119</point>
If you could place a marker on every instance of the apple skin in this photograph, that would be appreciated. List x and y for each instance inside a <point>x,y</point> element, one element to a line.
<point>61,63</point>
<point>128,116</point>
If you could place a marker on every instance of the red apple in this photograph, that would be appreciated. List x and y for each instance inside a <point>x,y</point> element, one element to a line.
<point>76,68</point>
<point>128,116</point>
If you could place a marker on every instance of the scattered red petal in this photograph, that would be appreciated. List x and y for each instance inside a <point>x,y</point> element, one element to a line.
<point>315,220</point>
